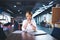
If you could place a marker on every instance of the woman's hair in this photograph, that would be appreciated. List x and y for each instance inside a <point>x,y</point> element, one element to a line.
<point>29,12</point>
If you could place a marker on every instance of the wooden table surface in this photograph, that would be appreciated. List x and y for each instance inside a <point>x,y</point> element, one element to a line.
<point>28,36</point>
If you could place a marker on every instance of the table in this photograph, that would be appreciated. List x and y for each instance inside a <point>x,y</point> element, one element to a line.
<point>27,36</point>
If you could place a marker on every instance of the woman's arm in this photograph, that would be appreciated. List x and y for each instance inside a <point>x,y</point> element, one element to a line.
<point>33,24</point>
<point>33,27</point>
<point>24,25</point>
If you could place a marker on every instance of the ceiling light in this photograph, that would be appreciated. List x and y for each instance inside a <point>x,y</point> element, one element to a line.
<point>51,12</point>
<point>9,10</point>
<point>44,5</point>
<point>14,5</point>
<point>18,10</point>
<point>20,13</point>
<point>51,2</point>
<point>18,3</point>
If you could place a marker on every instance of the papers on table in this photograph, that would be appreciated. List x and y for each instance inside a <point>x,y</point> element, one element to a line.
<point>38,32</point>
<point>17,32</point>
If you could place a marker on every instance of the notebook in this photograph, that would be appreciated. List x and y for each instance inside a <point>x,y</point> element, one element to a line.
<point>38,32</point>
<point>17,32</point>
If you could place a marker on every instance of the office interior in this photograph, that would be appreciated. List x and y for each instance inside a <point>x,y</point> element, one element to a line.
<point>46,14</point>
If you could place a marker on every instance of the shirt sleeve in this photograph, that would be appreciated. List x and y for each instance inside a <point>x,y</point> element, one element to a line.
<point>23,23</point>
<point>34,23</point>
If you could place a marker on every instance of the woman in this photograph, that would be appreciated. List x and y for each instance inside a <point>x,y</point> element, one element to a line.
<point>29,24</point>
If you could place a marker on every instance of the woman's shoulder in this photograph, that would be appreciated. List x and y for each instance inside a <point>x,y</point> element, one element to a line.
<point>24,20</point>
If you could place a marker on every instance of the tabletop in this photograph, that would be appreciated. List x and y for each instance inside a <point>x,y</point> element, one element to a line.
<point>19,35</point>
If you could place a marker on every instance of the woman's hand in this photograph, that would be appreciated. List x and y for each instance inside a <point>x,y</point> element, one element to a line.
<point>29,21</point>
<point>25,26</point>
<point>33,27</point>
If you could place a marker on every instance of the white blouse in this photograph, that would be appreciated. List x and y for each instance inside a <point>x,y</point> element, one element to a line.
<point>29,26</point>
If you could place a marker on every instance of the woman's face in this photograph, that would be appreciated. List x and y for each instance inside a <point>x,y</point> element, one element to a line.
<point>28,16</point>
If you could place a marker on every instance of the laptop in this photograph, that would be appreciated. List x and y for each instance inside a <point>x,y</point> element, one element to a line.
<point>38,32</point>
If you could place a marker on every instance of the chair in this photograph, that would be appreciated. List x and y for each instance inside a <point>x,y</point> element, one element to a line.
<point>56,33</point>
<point>2,34</point>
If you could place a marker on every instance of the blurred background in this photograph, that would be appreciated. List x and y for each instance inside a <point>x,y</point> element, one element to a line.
<point>41,9</point>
